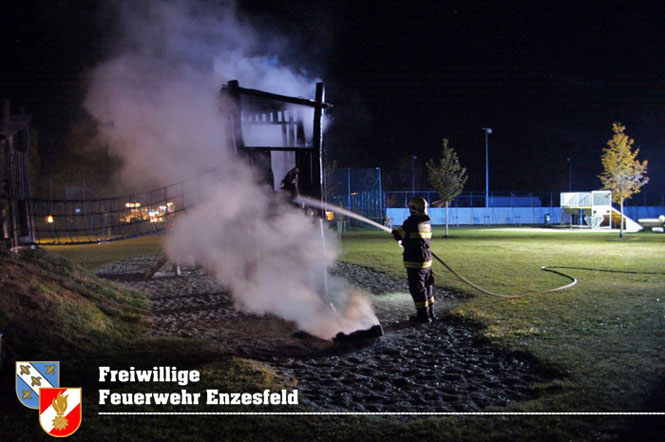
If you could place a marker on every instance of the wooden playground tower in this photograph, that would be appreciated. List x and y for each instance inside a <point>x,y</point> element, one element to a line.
<point>271,131</point>
<point>15,220</point>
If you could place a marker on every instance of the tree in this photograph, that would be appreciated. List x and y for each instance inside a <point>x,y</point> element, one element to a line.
<point>622,173</point>
<point>446,176</point>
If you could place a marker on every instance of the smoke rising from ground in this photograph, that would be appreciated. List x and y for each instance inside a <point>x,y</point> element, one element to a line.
<point>157,101</point>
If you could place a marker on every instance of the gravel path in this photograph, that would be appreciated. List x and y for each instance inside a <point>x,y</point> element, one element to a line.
<point>437,367</point>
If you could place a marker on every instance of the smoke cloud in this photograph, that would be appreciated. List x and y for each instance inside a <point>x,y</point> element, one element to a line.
<point>157,101</point>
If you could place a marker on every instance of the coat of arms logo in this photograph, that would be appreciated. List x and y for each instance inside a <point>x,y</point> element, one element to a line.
<point>38,387</point>
<point>60,410</point>
<point>31,376</point>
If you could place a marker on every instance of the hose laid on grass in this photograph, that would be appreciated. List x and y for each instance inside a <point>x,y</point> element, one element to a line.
<point>325,206</point>
<point>629,272</point>
<point>502,295</point>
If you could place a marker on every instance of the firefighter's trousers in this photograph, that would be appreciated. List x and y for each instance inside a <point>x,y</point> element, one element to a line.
<point>421,287</point>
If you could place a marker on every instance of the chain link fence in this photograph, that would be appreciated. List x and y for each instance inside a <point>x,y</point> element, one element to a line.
<point>358,190</point>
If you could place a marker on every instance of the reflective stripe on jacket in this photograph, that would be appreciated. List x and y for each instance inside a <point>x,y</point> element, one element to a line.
<point>415,235</point>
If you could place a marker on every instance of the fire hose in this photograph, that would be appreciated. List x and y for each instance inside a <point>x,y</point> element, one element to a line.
<point>341,210</point>
<point>501,295</point>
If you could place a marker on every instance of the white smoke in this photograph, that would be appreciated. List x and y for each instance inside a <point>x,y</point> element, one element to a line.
<point>158,105</point>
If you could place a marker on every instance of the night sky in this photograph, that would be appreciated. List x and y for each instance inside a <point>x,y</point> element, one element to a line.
<point>548,77</point>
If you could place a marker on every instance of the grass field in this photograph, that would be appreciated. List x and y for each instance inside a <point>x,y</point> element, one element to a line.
<point>91,256</point>
<point>605,336</point>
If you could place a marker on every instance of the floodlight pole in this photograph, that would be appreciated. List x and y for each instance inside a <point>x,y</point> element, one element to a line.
<point>570,180</point>
<point>487,166</point>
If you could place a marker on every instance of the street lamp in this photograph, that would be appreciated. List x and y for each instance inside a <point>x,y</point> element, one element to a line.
<point>570,180</point>
<point>487,166</point>
<point>413,175</point>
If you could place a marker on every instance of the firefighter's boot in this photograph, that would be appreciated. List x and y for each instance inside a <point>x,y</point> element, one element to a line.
<point>421,316</point>
<point>430,313</point>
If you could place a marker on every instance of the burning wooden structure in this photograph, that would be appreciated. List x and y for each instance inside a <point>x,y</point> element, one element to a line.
<point>279,133</point>
<point>15,220</point>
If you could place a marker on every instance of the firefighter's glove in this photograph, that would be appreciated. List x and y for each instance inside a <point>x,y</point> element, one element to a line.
<point>396,235</point>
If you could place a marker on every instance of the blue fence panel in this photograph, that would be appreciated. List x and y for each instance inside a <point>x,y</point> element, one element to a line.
<point>483,215</point>
<point>637,212</point>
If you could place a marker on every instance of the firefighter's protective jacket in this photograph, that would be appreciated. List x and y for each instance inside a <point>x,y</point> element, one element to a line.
<point>415,234</point>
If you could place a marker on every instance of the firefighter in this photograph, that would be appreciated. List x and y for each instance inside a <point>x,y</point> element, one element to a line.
<point>290,189</point>
<point>414,235</point>
<point>289,183</point>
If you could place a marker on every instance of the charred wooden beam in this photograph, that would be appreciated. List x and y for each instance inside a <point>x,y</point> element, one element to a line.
<point>373,332</point>
<point>277,97</point>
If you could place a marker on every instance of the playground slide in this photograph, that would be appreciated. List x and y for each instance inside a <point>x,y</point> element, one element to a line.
<point>628,224</point>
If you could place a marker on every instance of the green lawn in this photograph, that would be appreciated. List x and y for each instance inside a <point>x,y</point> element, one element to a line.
<point>605,336</point>
<point>91,256</point>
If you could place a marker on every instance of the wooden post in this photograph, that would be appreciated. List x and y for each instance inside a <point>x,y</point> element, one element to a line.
<point>16,224</point>
<point>236,115</point>
<point>154,268</point>
<point>11,191</point>
<point>317,138</point>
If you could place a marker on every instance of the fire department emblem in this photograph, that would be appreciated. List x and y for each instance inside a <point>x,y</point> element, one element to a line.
<point>60,410</point>
<point>32,376</point>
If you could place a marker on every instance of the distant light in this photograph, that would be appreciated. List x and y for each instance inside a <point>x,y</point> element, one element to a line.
<point>49,219</point>
<point>330,215</point>
<point>77,210</point>
<point>155,216</point>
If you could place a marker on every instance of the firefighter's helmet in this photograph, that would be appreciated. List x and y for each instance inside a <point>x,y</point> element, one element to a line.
<point>417,205</point>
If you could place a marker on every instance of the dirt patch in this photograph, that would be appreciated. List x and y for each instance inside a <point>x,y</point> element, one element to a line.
<point>441,366</point>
